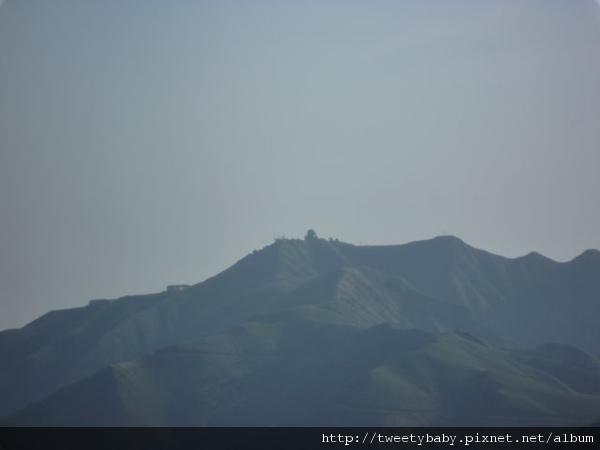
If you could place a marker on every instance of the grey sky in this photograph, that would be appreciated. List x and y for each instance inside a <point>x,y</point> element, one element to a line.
<point>145,143</point>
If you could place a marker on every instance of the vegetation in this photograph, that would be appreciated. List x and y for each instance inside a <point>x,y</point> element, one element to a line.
<point>321,332</point>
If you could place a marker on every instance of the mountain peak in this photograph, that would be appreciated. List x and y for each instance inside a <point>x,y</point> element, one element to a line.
<point>589,255</point>
<point>290,308</point>
<point>448,241</point>
<point>536,257</point>
<point>448,238</point>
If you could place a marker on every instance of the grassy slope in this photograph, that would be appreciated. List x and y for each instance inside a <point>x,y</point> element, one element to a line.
<point>324,282</point>
<point>289,370</point>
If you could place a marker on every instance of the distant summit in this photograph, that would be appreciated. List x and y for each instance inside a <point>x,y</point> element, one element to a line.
<point>318,331</point>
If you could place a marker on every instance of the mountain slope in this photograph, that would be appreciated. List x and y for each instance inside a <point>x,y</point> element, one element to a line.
<point>288,370</point>
<point>437,285</point>
<point>530,299</point>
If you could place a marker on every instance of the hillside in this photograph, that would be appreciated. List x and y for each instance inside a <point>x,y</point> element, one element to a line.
<point>431,332</point>
<point>285,370</point>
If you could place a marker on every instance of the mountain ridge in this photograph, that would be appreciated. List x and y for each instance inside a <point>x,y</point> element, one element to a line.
<point>439,285</point>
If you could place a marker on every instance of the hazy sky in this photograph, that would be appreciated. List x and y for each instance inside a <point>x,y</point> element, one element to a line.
<point>146,143</point>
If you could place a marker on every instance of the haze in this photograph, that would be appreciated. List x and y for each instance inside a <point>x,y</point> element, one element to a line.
<point>147,143</point>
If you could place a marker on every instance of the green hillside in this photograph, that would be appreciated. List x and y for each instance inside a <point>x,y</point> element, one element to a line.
<point>289,321</point>
<point>286,370</point>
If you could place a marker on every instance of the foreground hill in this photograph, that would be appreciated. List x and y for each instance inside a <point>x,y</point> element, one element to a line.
<point>120,349</point>
<point>286,370</point>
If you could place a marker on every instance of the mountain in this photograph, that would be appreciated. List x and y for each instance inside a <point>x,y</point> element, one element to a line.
<point>284,370</point>
<point>318,331</point>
